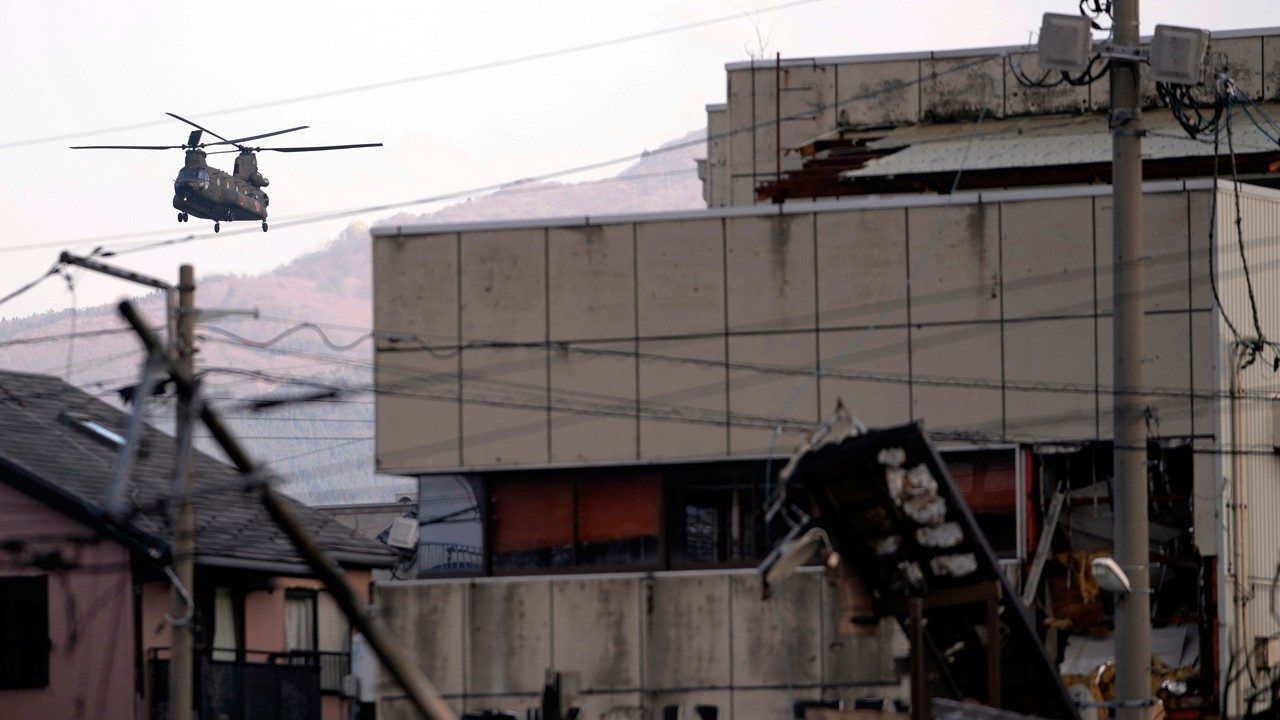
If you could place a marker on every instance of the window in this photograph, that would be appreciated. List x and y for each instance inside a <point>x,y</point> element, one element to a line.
<point>988,480</point>
<point>228,620</point>
<point>24,632</point>
<point>300,620</point>
<point>715,514</point>
<point>546,520</point>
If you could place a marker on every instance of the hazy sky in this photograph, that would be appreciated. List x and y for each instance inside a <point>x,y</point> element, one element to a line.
<point>73,66</point>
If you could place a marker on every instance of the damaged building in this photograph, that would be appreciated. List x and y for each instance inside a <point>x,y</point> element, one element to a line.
<point>617,395</point>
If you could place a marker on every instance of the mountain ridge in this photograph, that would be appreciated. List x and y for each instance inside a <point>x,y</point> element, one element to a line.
<point>322,447</point>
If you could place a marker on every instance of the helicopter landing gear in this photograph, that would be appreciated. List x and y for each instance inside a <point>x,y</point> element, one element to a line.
<point>264,226</point>
<point>217,226</point>
<point>182,217</point>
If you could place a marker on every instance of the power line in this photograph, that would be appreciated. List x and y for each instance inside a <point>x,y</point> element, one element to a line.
<point>506,189</point>
<point>420,78</point>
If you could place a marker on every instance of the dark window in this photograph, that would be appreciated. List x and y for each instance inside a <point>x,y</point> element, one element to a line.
<point>989,483</point>
<point>547,520</point>
<point>716,514</point>
<point>24,632</point>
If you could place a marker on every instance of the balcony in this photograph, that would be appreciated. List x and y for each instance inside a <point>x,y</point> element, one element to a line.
<point>436,558</point>
<point>260,686</point>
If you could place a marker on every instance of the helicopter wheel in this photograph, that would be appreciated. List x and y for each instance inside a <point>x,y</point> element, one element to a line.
<point>264,226</point>
<point>217,227</point>
<point>182,217</point>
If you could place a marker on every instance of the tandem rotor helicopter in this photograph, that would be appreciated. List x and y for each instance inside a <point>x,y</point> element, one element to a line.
<point>210,193</point>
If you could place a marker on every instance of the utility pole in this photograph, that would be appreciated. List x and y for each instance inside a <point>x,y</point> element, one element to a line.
<point>1129,475</point>
<point>181,512</point>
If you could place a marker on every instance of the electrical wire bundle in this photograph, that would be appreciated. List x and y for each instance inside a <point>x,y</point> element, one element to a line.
<point>1097,68</point>
<point>1198,117</point>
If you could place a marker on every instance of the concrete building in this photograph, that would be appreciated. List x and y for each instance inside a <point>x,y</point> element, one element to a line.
<point>620,392</point>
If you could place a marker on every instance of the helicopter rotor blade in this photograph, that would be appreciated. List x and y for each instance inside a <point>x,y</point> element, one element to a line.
<point>222,152</point>
<point>237,141</point>
<point>315,148</point>
<point>127,147</point>
<point>198,127</point>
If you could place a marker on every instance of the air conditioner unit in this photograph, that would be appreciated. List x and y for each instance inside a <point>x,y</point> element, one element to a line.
<point>1065,42</point>
<point>404,533</point>
<point>1177,54</point>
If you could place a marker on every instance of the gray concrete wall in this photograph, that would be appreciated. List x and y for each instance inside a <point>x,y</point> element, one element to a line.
<point>908,88</point>
<point>625,642</point>
<point>690,336</point>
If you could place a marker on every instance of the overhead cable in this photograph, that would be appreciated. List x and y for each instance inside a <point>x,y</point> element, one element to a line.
<point>423,77</point>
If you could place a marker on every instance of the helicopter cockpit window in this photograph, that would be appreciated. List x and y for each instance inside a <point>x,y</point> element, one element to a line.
<point>194,175</point>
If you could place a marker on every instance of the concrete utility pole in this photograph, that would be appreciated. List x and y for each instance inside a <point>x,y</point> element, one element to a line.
<point>1129,476</point>
<point>181,514</point>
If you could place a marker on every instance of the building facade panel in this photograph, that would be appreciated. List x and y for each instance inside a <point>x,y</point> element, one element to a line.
<point>680,277</point>
<point>1271,66</point>
<point>779,638</point>
<point>770,273</point>
<point>866,369</point>
<point>1022,99</point>
<point>506,406</point>
<point>440,653</point>
<point>695,651</point>
<point>683,405</point>
<point>417,411</point>
<point>876,94</point>
<point>970,351</point>
<point>861,275</point>
<point>591,282</point>
<point>599,382</point>
<point>597,632</point>
<point>503,285</point>
<point>1047,258</point>
<point>423,302</point>
<point>771,380</point>
<point>1060,355</point>
<point>508,638</point>
<point>1166,244</point>
<point>960,88</point>
<point>954,263</point>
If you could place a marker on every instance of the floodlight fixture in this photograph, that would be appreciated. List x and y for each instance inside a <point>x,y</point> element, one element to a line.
<point>793,553</point>
<point>1177,54</point>
<point>1065,42</point>
<point>1110,576</point>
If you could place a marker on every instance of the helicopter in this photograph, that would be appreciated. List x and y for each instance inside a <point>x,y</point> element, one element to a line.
<point>209,193</point>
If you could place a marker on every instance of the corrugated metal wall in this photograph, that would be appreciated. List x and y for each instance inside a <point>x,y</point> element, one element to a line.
<point>1250,468</point>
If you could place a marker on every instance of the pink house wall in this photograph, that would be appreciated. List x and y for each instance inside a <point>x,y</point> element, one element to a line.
<point>91,674</point>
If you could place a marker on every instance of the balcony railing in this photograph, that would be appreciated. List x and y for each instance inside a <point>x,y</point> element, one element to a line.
<point>333,666</point>
<point>437,558</point>
<point>259,685</point>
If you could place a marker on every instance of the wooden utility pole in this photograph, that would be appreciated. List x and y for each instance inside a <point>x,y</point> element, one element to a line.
<point>181,514</point>
<point>398,663</point>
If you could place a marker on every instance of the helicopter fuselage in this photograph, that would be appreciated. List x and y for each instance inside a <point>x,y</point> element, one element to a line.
<point>209,193</point>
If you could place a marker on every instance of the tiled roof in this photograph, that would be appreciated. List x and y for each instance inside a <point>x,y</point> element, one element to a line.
<point>232,526</point>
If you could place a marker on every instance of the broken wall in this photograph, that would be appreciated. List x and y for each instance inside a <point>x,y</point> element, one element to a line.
<point>907,88</point>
